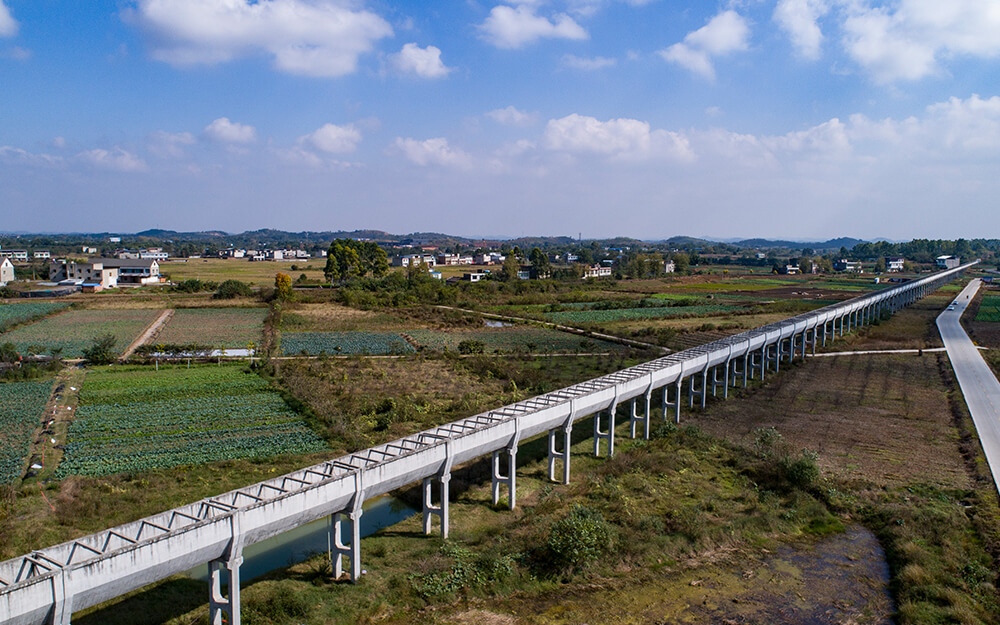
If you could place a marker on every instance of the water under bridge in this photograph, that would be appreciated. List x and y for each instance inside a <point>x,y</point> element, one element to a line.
<point>48,585</point>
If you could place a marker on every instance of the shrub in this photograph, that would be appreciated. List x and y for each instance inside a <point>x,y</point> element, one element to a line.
<point>101,350</point>
<point>231,289</point>
<point>579,538</point>
<point>471,347</point>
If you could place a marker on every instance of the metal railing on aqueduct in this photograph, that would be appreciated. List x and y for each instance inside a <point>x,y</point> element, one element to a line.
<point>46,586</point>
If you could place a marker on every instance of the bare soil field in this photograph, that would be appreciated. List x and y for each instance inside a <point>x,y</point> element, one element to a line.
<point>331,317</point>
<point>884,418</point>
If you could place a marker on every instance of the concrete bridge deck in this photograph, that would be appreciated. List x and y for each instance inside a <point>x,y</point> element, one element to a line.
<point>48,585</point>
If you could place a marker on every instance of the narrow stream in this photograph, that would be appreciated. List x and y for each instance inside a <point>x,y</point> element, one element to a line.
<point>306,541</point>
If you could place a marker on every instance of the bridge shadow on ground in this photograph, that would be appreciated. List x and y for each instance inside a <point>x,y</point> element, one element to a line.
<point>167,600</point>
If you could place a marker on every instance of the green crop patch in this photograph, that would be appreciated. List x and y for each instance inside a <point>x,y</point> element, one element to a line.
<point>13,314</point>
<point>346,343</point>
<point>135,420</point>
<point>21,407</point>
<point>218,327</point>
<point>73,331</point>
<point>601,316</point>
<point>989,308</point>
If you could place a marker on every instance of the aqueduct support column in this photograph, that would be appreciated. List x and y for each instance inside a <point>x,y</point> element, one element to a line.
<point>220,605</point>
<point>554,454</point>
<point>511,477</point>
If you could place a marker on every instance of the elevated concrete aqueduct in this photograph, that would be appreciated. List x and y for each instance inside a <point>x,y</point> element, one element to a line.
<point>46,586</point>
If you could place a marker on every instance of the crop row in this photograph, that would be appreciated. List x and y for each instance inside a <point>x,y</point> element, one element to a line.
<point>21,407</point>
<point>989,308</point>
<point>139,419</point>
<point>13,314</point>
<point>73,331</point>
<point>375,343</point>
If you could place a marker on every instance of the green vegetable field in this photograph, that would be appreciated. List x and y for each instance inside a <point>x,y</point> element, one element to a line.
<point>74,331</point>
<point>313,343</point>
<point>218,327</point>
<point>511,339</point>
<point>589,316</point>
<point>137,419</point>
<point>989,308</point>
<point>12,314</point>
<point>21,407</point>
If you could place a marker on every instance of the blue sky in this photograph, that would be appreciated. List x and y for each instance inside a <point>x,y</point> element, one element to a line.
<point>802,119</point>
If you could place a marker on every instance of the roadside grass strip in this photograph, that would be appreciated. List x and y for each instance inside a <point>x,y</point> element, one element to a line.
<point>74,331</point>
<point>218,327</point>
<point>347,343</point>
<point>21,407</point>
<point>13,314</point>
<point>511,339</point>
<point>136,420</point>
<point>600,316</point>
<point>989,308</point>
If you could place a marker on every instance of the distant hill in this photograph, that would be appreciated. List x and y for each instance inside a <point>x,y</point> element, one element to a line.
<point>832,244</point>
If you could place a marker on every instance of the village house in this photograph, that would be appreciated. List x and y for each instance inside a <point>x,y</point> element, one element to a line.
<point>41,254</point>
<point>948,262</point>
<point>850,266</point>
<point>92,273</point>
<point>597,271</point>
<point>894,264</point>
<point>669,267</point>
<point>15,256</point>
<point>414,259</point>
<point>6,272</point>
<point>108,273</point>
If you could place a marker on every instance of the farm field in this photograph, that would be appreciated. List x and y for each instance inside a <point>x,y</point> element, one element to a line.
<point>74,330</point>
<point>256,273</point>
<point>511,339</point>
<point>343,343</point>
<point>13,314</point>
<point>137,419</point>
<point>21,407</point>
<point>218,327</point>
<point>330,317</point>
<point>989,308</point>
<point>600,316</point>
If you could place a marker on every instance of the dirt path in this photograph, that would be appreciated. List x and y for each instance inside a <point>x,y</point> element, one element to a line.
<point>148,334</point>
<point>562,328</point>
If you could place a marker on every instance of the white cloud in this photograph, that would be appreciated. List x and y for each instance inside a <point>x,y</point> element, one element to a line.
<point>333,139</point>
<point>510,116</point>
<point>725,33</point>
<point>598,62</point>
<point>799,18</point>
<point>305,37</point>
<point>828,139</point>
<point>170,144</point>
<point>17,53</point>
<point>907,41</point>
<point>434,152</point>
<point>115,159</point>
<point>516,27</point>
<point>224,131</point>
<point>424,62</point>
<point>8,25</point>
<point>16,156</point>
<point>620,138</point>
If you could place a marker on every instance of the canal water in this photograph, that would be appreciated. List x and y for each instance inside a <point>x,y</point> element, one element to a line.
<point>308,540</point>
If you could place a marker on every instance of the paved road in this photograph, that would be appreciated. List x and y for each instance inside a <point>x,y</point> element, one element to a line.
<point>979,385</point>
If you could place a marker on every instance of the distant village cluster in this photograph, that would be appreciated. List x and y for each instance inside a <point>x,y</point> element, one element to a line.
<point>89,268</point>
